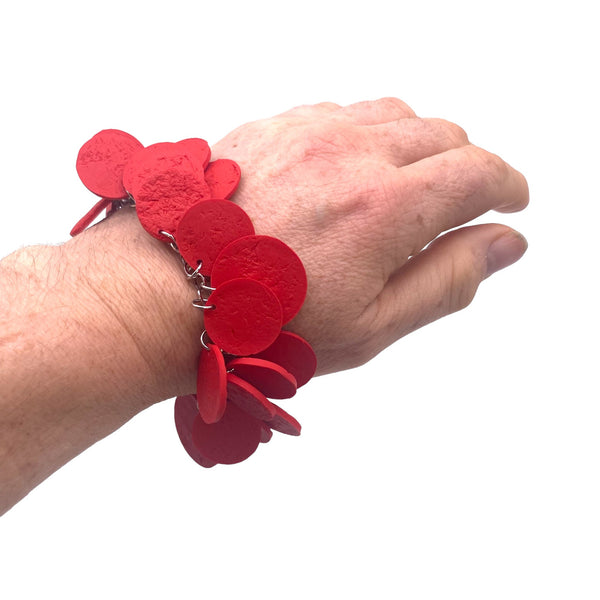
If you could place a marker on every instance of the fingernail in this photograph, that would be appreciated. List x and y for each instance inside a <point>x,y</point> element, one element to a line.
<point>504,251</point>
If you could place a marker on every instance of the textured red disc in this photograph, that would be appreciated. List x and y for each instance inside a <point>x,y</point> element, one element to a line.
<point>186,411</point>
<point>223,176</point>
<point>294,354</point>
<point>266,434</point>
<point>266,376</point>
<point>233,439</point>
<point>101,161</point>
<point>89,217</point>
<point>206,228</point>
<point>165,180</point>
<point>211,384</point>
<point>198,147</point>
<point>246,318</point>
<point>268,260</point>
<point>284,422</point>
<point>249,399</point>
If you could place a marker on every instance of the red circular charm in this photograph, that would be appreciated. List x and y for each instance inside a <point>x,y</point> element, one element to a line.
<point>211,385</point>
<point>266,376</point>
<point>186,411</point>
<point>246,318</point>
<point>284,422</point>
<point>101,161</point>
<point>223,176</point>
<point>198,147</point>
<point>249,399</point>
<point>268,260</point>
<point>165,180</point>
<point>89,217</point>
<point>233,439</point>
<point>294,354</point>
<point>206,228</point>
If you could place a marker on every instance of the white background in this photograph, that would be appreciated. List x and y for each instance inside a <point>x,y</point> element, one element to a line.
<point>464,462</point>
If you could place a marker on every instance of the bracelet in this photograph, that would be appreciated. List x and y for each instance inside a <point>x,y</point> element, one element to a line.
<point>248,286</point>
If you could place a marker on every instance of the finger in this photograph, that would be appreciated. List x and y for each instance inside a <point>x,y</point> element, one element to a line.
<point>373,112</point>
<point>450,189</point>
<point>405,141</point>
<point>311,110</point>
<point>443,278</point>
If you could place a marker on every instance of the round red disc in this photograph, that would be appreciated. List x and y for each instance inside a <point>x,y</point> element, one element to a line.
<point>198,147</point>
<point>90,216</point>
<point>233,439</point>
<point>284,422</point>
<point>268,260</point>
<point>294,354</point>
<point>186,411</point>
<point>101,161</point>
<point>266,434</point>
<point>206,228</point>
<point>266,376</point>
<point>211,384</point>
<point>246,318</point>
<point>223,176</point>
<point>165,180</point>
<point>249,399</point>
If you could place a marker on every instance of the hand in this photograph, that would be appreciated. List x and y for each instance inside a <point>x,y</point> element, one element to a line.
<point>358,192</point>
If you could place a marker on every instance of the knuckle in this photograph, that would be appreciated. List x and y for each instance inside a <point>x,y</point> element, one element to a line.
<point>452,132</point>
<point>484,170</point>
<point>389,103</point>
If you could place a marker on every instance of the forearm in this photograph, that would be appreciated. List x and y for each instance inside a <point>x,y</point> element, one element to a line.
<point>77,362</point>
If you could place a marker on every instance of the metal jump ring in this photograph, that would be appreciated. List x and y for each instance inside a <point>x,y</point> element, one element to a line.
<point>171,239</point>
<point>202,342</point>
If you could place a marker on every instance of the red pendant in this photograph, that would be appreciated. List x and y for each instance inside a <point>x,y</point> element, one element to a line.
<point>249,399</point>
<point>266,376</point>
<point>186,411</point>
<point>246,318</point>
<point>294,354</point>
<point>223,177</point>
<point>211,385</point>
<point>102,159</point>
<point>233,439</point>
<point>90,216</point>
<point>284,422</point>
<point>198,147</point>
<point>268,260</point>
<point>206,228</point>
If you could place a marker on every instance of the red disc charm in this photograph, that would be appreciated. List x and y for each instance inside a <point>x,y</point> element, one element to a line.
<point>233,439</point>
<point>101,161</point>
<point>268,260</point>
<point>186,411</point>
<point>165,180</point>
<point>89,217</point>
<point>284,422</point>
<point>211,385</point>
<point>294,354</point>
<point>267,377</point>
<point>206,228</point>
<point>249,399</point>
<point>223,176</point>
<point>246,318</point>
<point>198,147</point>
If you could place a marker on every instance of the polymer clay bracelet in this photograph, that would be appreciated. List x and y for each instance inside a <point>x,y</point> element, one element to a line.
<point>248,286</point>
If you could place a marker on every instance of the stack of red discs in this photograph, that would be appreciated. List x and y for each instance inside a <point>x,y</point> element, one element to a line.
<point>257,284</point>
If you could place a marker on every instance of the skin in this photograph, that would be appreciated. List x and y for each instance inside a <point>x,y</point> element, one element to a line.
<point>94,331</point>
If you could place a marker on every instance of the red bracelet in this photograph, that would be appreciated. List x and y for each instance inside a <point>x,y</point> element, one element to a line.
<point>247,285</point>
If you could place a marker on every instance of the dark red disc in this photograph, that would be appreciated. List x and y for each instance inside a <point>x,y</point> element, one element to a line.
<point>198,147</point>
<point>101,161</point>
<point>284,422</point>
<point>164,180</point>
<point>223,176</point>
<point>211,384</point>
<point>294,354</point>
<point>90,216</point>
<point>248,398</point>
<point>206,228</point>
<point>246,318</point>
<point>233,439</point>
<point>186,411</point>
<point>268,260</point>
<point>266,434</point>
<point>266,376</point>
